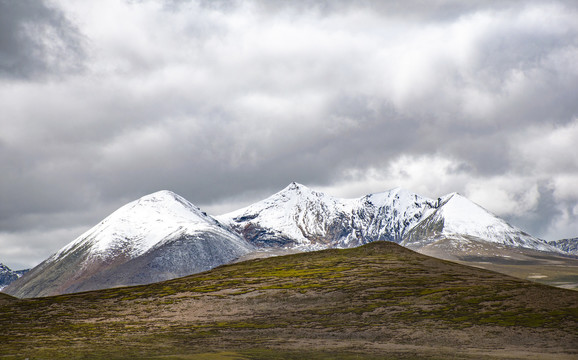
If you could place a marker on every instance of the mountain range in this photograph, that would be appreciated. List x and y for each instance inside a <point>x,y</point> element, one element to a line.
<point>163,236</point>
<point>298,217</point>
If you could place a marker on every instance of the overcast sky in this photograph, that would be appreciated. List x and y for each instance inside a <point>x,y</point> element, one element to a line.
<point>226,102</point>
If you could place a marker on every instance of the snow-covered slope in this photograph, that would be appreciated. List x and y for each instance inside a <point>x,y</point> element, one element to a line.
<point>392,213</point>
<point>298,217</point>
<point>462,220</point>
<point>174,236</point>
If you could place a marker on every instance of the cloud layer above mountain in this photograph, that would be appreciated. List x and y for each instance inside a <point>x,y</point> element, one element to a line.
<point>226,102</point>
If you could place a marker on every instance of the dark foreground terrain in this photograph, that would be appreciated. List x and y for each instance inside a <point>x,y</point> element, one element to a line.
<point>378,301</point>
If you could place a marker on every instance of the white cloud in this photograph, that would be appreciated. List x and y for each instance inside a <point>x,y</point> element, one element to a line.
<point>430,176</point>
<point>565,225</point>
<point>548,150</point>
<point>505,195</point>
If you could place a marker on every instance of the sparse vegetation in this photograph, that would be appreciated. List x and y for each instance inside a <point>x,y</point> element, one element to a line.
<point>376,301</point>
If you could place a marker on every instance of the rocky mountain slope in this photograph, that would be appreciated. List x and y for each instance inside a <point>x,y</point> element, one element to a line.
<point>306,219</point>
<point>8,275</point>
<point>569,246</point>
<point>157,237</point>
<point>378,301</point>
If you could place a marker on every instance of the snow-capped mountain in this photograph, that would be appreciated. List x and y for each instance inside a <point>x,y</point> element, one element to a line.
<point>298,217</point>
<point>157,237</point>
<point>294,217</point>
<point>463,221</point>
<point>569,246</point>
<point>8,275</point>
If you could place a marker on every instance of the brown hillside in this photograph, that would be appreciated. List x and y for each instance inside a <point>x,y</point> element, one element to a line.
<point>377,301</point>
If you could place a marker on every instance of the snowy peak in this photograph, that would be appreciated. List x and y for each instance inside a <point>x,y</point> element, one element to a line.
<point>139,225</point>
<point>293,197</point>
<point>157,237</point>
<point>458,217</point>
<point>164,203</point>
<point>296,192</point>
<point>300,217</point>
<point>465,216</point>
<point>295,216</point>
<point>294,186</point>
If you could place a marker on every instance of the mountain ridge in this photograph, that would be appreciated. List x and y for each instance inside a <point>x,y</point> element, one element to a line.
<point>389,215</point>
<point>318,220</point>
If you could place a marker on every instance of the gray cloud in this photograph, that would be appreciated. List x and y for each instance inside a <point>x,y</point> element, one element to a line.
<point>226,102</point>
<point>37,40</point>
<point>542,216</point>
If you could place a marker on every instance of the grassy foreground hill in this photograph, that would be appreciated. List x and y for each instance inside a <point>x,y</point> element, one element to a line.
<point>378,301</point>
